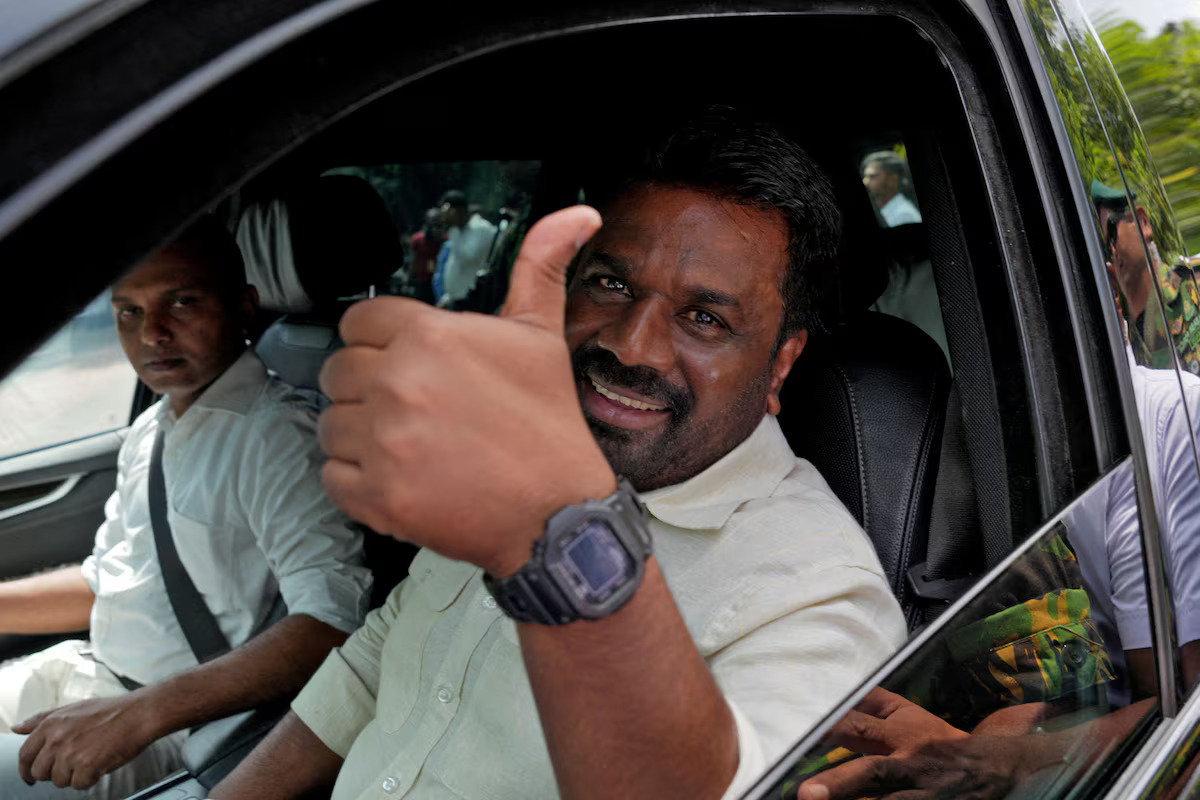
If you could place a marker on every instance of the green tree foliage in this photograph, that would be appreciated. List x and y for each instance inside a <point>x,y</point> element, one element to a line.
<point>1161,76</point>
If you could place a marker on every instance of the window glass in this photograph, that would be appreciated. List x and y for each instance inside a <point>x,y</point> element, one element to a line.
<point>77,384</point>
<point>886,177</point>
<point>1029,689</point>
<point>911,292</point>
<point>459,223</point>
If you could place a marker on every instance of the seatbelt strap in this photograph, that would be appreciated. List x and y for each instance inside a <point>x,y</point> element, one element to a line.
<point>197,621</point>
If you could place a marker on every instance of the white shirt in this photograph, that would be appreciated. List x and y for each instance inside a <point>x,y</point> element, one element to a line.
<point>469,248</point>
<point>778,585</point>
<point>899,211</point>
<point>1106,530</point>
<point>249,519</point>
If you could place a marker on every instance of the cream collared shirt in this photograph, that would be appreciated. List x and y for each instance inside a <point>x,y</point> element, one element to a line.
<point>249,519</point>
<point>779,587</point>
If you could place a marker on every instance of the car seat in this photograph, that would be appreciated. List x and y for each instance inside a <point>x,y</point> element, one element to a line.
<point>866,405</point>
<point>307,251</point>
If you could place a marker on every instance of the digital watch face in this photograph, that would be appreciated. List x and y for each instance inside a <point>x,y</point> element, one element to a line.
<point>594,562</point>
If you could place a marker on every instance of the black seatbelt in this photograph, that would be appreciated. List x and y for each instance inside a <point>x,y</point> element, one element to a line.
<point>197,621</point>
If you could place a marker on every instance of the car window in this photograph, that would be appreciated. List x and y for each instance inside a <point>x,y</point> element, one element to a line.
<point>76,385</point>
<point>911,293</point>
<point>1025,690</point>
<point>457,258</point>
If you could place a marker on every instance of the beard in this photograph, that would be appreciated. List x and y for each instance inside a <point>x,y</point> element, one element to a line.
<point>686,445</point>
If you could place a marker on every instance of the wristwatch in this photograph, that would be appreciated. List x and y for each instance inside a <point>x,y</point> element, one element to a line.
<point>587,564</point>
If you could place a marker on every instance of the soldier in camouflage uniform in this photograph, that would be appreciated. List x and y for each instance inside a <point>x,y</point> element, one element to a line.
<point>1138,270</point>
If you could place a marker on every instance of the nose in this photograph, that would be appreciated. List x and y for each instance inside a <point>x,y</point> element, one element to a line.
<point>156,329</point>
<point>640,337</point>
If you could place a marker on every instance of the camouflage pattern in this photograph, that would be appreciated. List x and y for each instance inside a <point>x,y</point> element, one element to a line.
<point>1041,650</point>
<point>1152,340</point>
<point>1029,638</point>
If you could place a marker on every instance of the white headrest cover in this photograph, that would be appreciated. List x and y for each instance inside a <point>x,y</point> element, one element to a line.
<point>266,245</point>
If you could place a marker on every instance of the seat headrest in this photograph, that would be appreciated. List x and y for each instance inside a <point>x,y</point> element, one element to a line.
<point>866,405</point>
<point>326,238</point>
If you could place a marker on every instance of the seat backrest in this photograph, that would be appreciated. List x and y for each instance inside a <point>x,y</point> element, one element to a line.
<point>866,405</point>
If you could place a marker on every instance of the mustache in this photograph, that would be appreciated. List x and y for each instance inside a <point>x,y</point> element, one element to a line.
<point>604,366</point>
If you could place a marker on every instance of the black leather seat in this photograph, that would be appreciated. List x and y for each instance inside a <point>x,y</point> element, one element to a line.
<point>866,405</point>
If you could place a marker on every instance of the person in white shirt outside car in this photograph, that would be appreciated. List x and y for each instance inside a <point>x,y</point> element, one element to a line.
<point>469,240</point>
<point>240,465</point>
<point>597,668</point>
<point>885,175</point>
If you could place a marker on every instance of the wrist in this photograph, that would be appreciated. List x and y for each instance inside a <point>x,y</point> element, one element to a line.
<point>149,706</point>
<point>516,552</point>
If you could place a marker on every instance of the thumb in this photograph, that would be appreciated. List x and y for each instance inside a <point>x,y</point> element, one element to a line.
<point>537,294</point>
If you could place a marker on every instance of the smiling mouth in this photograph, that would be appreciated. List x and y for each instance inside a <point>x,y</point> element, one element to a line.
<point>625,401</point>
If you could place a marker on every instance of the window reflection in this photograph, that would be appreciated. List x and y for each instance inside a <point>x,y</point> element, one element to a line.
<point>1029,686</point>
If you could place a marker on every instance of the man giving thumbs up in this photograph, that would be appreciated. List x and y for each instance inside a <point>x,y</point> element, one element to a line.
<point>630,587</point>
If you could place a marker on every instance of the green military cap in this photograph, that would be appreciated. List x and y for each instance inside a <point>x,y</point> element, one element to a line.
<point>1102,193</point>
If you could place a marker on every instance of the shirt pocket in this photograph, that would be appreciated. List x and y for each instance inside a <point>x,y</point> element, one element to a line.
<point>207,553</point>
<point>433,585</point>
<point>495,747</point>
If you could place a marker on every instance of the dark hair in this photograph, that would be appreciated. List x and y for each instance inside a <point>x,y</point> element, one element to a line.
<point>750,162</point>
<point>889,160</point>
<point>455,198</point>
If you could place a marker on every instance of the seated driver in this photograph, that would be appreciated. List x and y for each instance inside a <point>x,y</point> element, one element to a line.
<point>597,668</point>
<point>249,520</point>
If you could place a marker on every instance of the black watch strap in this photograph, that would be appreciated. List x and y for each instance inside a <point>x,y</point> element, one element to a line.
<point>532,594</point>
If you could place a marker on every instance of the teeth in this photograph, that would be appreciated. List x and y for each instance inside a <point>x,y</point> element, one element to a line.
<point>625,401</point>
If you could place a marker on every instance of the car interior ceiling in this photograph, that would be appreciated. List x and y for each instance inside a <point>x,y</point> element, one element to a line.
<point>960,484</point>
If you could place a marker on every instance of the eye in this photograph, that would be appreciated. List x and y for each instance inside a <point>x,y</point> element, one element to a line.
<point>183,301</point>
<point>612,284</point>
<point>127,312</point>
<point>703,318</point>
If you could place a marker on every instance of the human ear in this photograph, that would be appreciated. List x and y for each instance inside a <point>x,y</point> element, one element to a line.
<point>249,303</point>
<point>1144,223</point>
<point>788,352</point>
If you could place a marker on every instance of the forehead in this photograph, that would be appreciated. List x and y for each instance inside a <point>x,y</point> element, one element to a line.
<point>695,236</point>
<point>168,269</point>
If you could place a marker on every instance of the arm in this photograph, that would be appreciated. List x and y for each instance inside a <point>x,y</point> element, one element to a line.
<point>76,744</point>
<point>662,719</point>
<point>52,602</point>
<point>305,751</point>
<point>290,762</point>
<point>405,436</point>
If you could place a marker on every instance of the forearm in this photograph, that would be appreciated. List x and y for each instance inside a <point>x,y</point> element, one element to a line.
<point>273,665</point>
<point>290,763</point>
<point>631,690</point>
<point>52,602</point>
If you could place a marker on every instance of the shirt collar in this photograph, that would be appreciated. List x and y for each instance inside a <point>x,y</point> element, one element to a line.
<point>234,390</point>
<point>751,470</point>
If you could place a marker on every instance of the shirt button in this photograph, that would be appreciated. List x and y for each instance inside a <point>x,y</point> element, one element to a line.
<point>390,784</point>
<point>489,602</point>
<point>444,695</point>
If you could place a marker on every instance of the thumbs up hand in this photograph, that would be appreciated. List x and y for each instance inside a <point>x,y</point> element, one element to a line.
<point>463,432</point>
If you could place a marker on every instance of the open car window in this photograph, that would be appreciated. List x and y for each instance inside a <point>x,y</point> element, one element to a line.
<point>1026,458</point>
